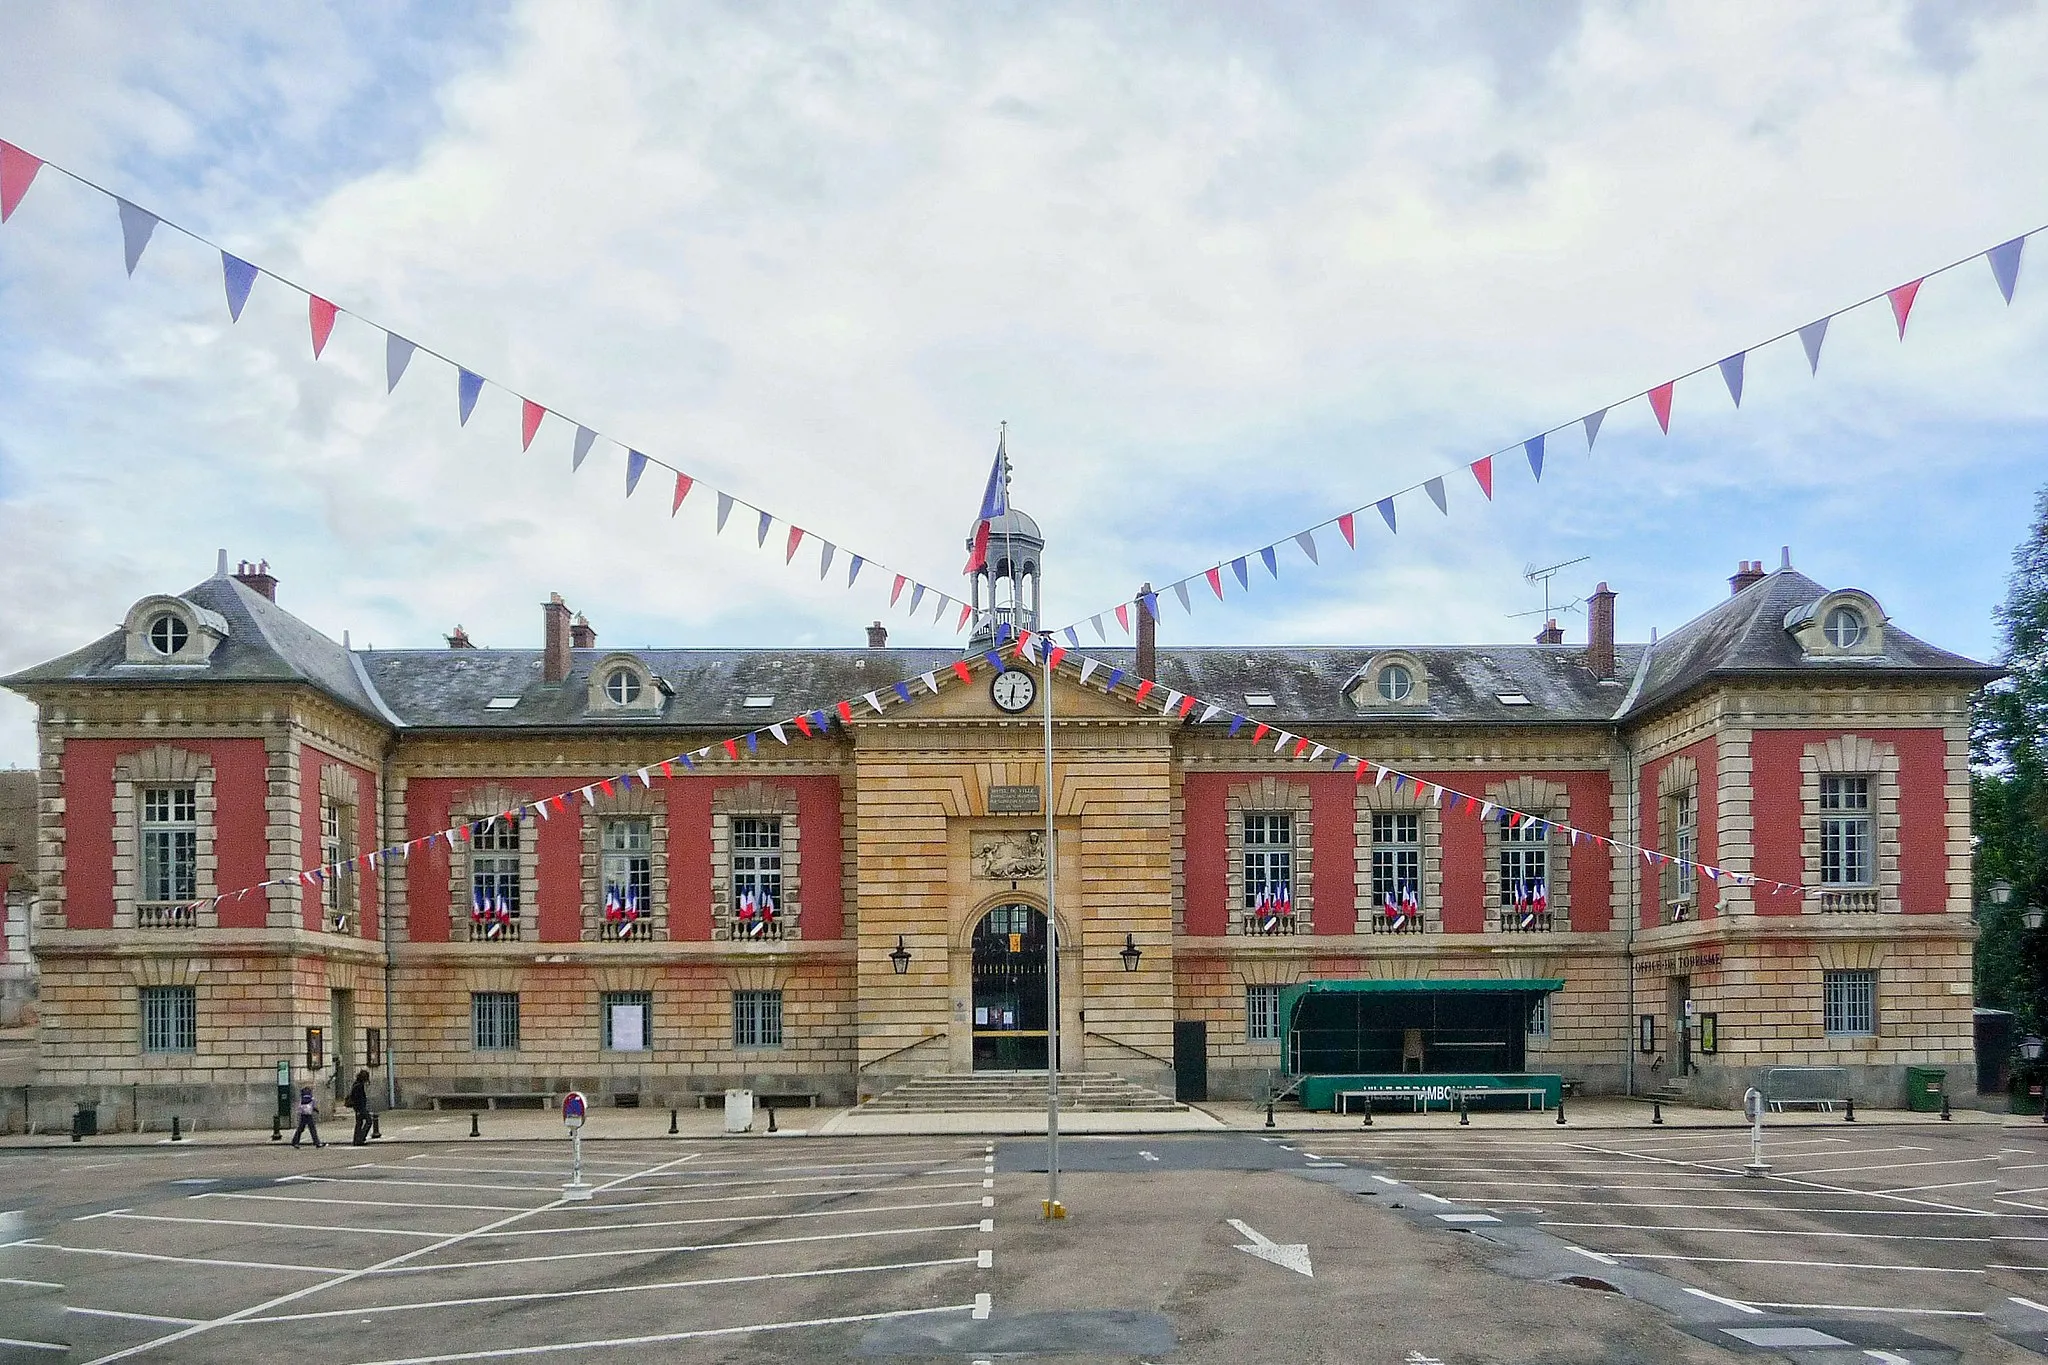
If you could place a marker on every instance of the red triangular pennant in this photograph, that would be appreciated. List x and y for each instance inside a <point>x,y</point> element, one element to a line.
<point>1215,577</point>
<point>803,725</point>
<point>320,313</point>
<point>17,169</point>
<point>960,667</point>
<point>1345,524</point>
<point>796,538</point>
<point>846,712</point>
<point>1660,403</point>
<point>897,591</point>
<point>1144,686</point>
<point>530,414</point>
<point>683,485</point>
<point>1902,303</point>
<point>1258,734</point>
<point>732,750</point>
<point>1482,470</point>
<point>1123,616</point>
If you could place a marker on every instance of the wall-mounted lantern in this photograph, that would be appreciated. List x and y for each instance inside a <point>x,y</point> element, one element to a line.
<point>899,961</point>
<point>1131,953</point>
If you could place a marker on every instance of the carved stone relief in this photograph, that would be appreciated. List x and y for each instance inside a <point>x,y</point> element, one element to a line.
<point>1010,855</point>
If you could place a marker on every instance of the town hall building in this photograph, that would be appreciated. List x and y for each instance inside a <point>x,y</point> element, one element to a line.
<point>828,917</point>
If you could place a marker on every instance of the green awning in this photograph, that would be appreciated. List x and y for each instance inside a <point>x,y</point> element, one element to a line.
<point>1512,984</point>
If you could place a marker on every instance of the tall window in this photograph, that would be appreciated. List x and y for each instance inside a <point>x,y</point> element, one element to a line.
<point>757,1018</point>
<point>1396,859</point>
<point>1849,1003</point>
<point>494,1021</point>
<point>494,879</point>
<point>1845,848</point>
<point>628,864</point>
<point>1538,1025</point>
<point>1525,863</point>
<point>1268,861</point>
<point>1262,1014</point>
<point>170,845</point>
<point>170,1019</point>
<point>335,851</point>
<point>757,861</point>
<point>1681,842</point>
<point>627,1019</point>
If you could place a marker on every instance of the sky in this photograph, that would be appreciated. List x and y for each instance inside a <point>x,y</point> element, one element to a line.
<point>1226,271</point>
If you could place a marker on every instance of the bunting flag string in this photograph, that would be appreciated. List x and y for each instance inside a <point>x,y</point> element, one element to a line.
<point>2004,262</point>
<point>20,168</point>
<point>816,724</point>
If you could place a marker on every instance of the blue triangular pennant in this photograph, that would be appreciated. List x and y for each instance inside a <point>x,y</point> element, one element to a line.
<point>1272,566</point>
<point>1435,489</point>
<point>136,225</point>
<point>762,537</point>
<point>853,570</point>
<point>1811,336</point>
<point>1591,421</point>
<point>240,277</point>
<point>2005,264</point>
<point>1150,602</point>
<point>467,387</point>
<point>585,439</point>
<point>1237,566</point>
<point>1533,448</point>
<point>636,465</point>
<point>1731,375</point>
<point>1386,509</point>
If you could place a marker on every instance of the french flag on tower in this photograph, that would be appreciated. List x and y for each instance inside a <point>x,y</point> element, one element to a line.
<point>995,501</point>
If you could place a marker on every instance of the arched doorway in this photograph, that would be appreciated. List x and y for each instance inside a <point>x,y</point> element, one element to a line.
<point>1009,990</point>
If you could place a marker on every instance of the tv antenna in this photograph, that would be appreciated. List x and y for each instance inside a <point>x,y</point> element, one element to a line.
<point>1543,575</point>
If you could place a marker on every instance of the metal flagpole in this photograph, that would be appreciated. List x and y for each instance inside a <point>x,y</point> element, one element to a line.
<point>1053,1207</point>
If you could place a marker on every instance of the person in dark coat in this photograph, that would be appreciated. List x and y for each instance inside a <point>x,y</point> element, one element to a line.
<point>309,1111</point>
<point>359,1100</point>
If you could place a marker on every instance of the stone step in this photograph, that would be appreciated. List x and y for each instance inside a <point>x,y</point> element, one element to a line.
<point>990,1091</point>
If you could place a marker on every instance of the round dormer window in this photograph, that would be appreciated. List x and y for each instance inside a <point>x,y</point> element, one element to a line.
<point>167,633</point>
<point>622,685</point>
<point>1844,627</point>
<point>1396,682</point>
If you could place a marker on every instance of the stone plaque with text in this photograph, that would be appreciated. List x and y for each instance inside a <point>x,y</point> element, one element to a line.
<point>1013,800</point>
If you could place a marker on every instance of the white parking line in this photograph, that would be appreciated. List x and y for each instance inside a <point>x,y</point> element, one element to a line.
<point>658,1339</point>
<point>742,1184</point>
<point>1820,1265</point>
<point>33,1284</point>
<point>1951,1185</point>
<point>27,1345</point>
<point>1781,1232</point>
<point>746,1218</point>
<point>1888,1166</point>
<point>1871,1308</point>
<point>1549,1202</point>
<point>2026,1303</point>
<point>606,1290</point>
<point>415,1184</point>
<point>283,1227</point>
<point>393,1269</point>
<point>132,1317</point>
<point>186,1260</point>
<point>352,1202</point>
<point>1731,1303</point>
<point>777,1194</point>
<point>1591,1255</point>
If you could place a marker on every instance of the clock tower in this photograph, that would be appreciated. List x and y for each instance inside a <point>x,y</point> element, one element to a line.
<point>1005,590</point>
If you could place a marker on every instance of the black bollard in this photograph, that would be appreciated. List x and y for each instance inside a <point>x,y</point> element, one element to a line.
<point>672,1129</point>
<point>1368,1113</point>
<point>771,1119</point>
<point>1849,1115</point>
<point>1269,1113</point>
<point>376,1128</point>
<point>1464,1118</point>
<point>176,1135</point>
<point>1944,1108</point>
<point>1656,1112</point>
<point>1560,1111</point>
<point>473,1130</point>
<point>276,1128</point>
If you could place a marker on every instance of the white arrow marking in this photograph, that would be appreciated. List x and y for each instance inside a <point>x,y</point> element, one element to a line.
<point>1147,1155</point>
<point>1293,1256</point>
<point>1888,1358</point>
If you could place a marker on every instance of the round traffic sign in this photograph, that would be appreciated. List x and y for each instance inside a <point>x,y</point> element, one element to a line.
<point>573,1109</point>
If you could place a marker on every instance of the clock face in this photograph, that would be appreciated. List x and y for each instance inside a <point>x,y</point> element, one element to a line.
<point>1013,690</point>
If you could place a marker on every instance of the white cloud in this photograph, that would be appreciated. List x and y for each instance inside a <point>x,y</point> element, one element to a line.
<point>1223,277</point>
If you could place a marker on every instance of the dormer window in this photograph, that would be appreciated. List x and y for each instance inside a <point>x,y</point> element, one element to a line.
<point>622,686</point>
<point>168,633</point>
<point>1845,627</point>
<point>1396,682</point>
<point>1393,679</point>
<point>1845,624</point>
<point>620,682</point>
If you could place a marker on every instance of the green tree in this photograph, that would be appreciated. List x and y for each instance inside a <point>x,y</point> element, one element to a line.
<point>2009,783</point>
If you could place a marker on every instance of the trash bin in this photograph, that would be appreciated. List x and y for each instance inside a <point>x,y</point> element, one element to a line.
<point>1924,1086</point>
<point>739,1111</point>
<point>86,1122</point>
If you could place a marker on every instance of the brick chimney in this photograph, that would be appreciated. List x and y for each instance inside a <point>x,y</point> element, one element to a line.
<point>459,639</point>
<point>1748,572</point>
<point>1551,634</point>
<point>582,635</point>
<point>554,659</point>
<point>1600,632</point>
<point>257,576</point>
<point>1148,636</point>
<point>878,636</point>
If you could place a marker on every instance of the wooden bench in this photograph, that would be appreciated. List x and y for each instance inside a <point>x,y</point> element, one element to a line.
<point>1805,1087</point>
<point>494,1100</point>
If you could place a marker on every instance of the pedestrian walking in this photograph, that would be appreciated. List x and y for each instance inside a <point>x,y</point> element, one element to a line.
<point>359,1100</point>
<point>309,1110</point>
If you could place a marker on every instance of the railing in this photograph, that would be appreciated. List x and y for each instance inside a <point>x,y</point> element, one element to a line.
<point>494,932</point>
<point>1849,902</point>
<point>1678,911</point>
<point>338,922</point>
<point>1397,922</point>
<point>897,1052</point>
<point>1148,1056</point>
<point>621,931</point>
<point>755,931</point>
<point>1268,924</point>
<point>1525,921</point>
<point>166,917</point>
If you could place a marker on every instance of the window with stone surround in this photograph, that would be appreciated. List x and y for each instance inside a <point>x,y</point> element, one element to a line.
<point>1528,864</point>
<point>755,862</point>
<point>1678,818</point>
<point>1845,844</point>
<point>170,1019</point>
<point>1396,871</point>
<point>1269,873</point>
<point>491,859</point>
<point>1270,853</point>
<point>163,817</point>
<point>1262,1014</point>
<point>627,1020</point>
<point>756,1019</point>
<point>627,866</point>
<point>625,863</point>
<point>1399,860</point>
<point>1538,1023</point>
<point>169,879</point>
<point>495,883</point>
<point>494,1021</point>
<point>338,887</point>
<point>1849,792</point>
<point>1849,1003</point>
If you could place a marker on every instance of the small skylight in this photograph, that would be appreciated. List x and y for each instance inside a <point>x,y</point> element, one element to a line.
<point>758,701</point>
<point>1512,699</point>
<point>501,703</point>
<point>1259,699</point>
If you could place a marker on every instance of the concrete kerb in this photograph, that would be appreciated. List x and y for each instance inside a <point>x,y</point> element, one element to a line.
<point>1594,1114</point>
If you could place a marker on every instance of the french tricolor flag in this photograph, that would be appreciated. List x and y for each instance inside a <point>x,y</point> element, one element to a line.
<point>995,501</point>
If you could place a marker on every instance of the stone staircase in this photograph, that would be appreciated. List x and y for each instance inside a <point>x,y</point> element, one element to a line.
<point>982,1092</point>
<point>1672,1090</point>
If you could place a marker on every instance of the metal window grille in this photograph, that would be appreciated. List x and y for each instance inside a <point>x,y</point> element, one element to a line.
<point>1849,1002</point>
<point>1396,857</point>
<point>170,845</point>
<point>610,1003</point>
<point>494,1021</point>
<point>629,862</point>
<point>1539,1017</point>
<point>170,1019</point>
<point>1845,846</point>
<point>1524,859</point>
<point>1262,1014</point>
<point>757,1018</point>
<point>1268,858</point>
<point>757,858</point>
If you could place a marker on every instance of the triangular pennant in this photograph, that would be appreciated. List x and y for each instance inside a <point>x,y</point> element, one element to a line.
<point>2005,264</point>
<point>845,710</point>
<point>1100,633</point>
<point>897,590</point>
<point>853,570</point>
<point>1088,667</point>
<point>1386,511</point>
<point>796,538</point>
<point>1237,723</point>
<point>825,558</point>
<point>1660,403</point>
<point>1150,602</point>
<point>965,612</point>
<point>1810,337</point>
<point>802,724</point>
<point>240,278</point>
<point>530,414</point>
<point>902,691</point>
<point>1172,700</point>
<point>397,355</point>
<point>1307,541</point>
<point>930,681</point>
<point>1209,712</point>
<point>683,485</point>
<point>732,750</point>
<point>467,386</point>
<point>1348,527</point>
<point>636,465</point>
<point>1073,640</point>
<point>1272,563</point>
<point>585,439</point>
<point>874,702</point>
<point>761,536</point>
<point>724,510</point>
<point>1215,577</point>
<point>1902,301</point>
<point>1731,375</point>
<point>1482,472</point>
<point>1435,489</point>
<point>320,317</point>
<point>961,670</point>
<point>916,596</point>
<point>1187,704</point>
<point>1145,686</point>
<point>1237,566</point>
<point>1123,616</point>
<point>1180,590</point>
<point>1533,448</point>
<point>136,226</point>
<point>754,742</point>
<point>1591,421</point>
<point>17,171</point>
